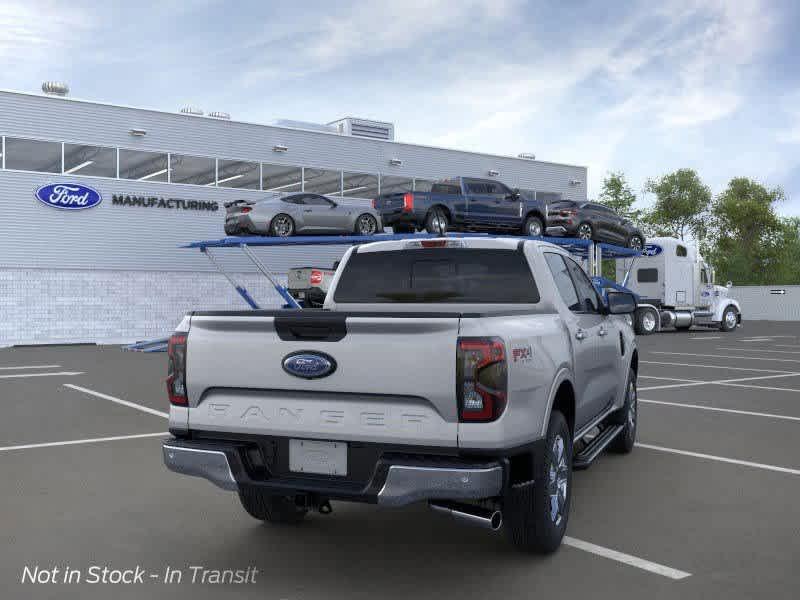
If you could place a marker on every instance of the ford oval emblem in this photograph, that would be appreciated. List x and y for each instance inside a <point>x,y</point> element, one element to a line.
<point>309,364</point>
<point>652,250</point>
<point>68,196</point>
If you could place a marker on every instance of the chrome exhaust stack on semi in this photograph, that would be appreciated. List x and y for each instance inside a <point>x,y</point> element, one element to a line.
<point>472,515</point>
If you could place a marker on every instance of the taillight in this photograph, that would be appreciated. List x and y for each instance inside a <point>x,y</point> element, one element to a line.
<point>176,371</point>
<point>408,202</point>
<point>569,213</point>
<point>374,203</point>
<point>246,210</point>
<point>481,378</point>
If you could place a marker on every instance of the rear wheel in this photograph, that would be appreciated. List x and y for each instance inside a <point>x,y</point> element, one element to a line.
<point>730,319</point>
<point>366,224</point>
<point>436,221</point>
<point>282,225</point>
<point>533,227</point>
<point>273,509</point>
<point>585,231</point>
<point>535,513</point>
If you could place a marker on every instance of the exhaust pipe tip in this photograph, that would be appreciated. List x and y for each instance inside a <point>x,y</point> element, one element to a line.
<point>471,515</point>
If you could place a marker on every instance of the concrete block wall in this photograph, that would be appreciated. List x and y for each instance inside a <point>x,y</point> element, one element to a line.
<point>44,306</point>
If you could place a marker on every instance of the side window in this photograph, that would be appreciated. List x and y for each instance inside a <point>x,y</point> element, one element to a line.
<point>497,188</point>
<point>587,295</point>
<point>680,251</point>
<point>474,187</point>
<point>647,275</point>
<point>317,201</point>
<point>562,279</point>
<point>295,199</point>
<point>703,276</point>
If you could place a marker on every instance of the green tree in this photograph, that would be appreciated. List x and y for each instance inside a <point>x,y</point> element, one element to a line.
<point>681,205</point>
<point>618,195</point>
<point>749,242</point>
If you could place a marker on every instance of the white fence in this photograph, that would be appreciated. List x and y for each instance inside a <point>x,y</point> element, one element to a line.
<point>768,302</point>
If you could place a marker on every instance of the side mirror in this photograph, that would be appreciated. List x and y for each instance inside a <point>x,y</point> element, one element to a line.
<point>333,204</point>
<point>621,303</point>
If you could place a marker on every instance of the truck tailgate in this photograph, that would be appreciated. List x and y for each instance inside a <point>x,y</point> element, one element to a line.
<point>237,382</point>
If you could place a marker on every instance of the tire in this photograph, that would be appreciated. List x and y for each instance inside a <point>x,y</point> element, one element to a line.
<point>534,517</point>
<point>366,224</point>
<point>635,242</point>
<point>628,416</point>
<point>646,321</point>
<point>282,225</point>
<point>730,319</point>
<point>229,230</point>
<point>272,509</point>
<point>533,227</point>
<point>437,221</point>
<point>585,231</point>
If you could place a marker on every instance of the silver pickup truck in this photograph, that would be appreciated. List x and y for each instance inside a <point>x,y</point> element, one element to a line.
<point>470,373</point>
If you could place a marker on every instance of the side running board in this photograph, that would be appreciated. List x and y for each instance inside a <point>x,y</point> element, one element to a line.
<point>586,456</point>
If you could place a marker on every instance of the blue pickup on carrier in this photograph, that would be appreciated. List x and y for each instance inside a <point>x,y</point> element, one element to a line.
<point>464,204</point>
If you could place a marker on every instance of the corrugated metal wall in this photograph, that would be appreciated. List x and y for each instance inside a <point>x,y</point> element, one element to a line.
<point>768,303</point>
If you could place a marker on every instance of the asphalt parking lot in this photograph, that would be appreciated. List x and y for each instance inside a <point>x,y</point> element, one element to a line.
<point>707,505</point>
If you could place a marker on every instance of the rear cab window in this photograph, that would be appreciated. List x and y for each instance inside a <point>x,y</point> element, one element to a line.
<point>438,275</point>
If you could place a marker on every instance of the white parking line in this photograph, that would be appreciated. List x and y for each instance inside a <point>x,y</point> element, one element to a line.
<point>786,345</point>
<point>726,367</point>
<point>747,413</point>
<point>733,461</point>
<point>761,387</point>
<point>640,376</point>
<point>711,337</point>
<point>147,409</point>
<point>717,382</point>
<point>30,367</point>
<point>794,360</point>
<point>627,559</point>
<point>760,350</point>
<point>86,441</point>
<point>20,375</point>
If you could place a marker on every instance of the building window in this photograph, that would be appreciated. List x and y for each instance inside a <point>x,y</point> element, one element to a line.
<point>90,160</point>
<point>323,181</point>
<point>396,185</point>
<point>238,174</point>
<point>144,166</point>
<point>423,185</point>
<point>33,155</point>
<point>360,185</point>
<point>280,178</point>
<point>195,170</point>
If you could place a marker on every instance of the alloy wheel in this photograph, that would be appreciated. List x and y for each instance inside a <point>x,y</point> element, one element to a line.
<point>366,225</point>
<point>534,228</point>
<point>558,480</point>
<point>585,231</point>
<point>282,226</point>
<point>636,243</point>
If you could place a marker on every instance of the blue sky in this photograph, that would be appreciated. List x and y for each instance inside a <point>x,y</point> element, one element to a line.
<point>640,87</point>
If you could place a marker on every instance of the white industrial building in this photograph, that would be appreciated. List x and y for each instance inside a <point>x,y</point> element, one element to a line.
<point>113,272</point>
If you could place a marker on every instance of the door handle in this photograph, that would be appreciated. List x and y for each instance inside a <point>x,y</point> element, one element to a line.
<point>580,334</point>
<point>603,331</point>
<point>308,210</point>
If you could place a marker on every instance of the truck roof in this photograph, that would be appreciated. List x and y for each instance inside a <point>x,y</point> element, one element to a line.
<point>496,243</point>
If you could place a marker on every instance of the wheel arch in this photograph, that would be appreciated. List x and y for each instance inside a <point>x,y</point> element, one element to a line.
<point>441,206</point>
<point>535,212</point>
<point>562,398</point>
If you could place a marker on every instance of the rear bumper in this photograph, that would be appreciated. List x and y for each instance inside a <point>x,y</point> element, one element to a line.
<point>396,480</point>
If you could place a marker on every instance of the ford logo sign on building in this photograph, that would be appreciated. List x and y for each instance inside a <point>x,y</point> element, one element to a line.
<point>68,196</point>
<point>309,364</point>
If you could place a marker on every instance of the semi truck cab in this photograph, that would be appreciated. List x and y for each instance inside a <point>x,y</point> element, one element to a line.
<point>676,289</point>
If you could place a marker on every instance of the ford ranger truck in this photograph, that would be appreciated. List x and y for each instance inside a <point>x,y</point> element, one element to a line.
<point>464,204</point>
<point>473,374</point>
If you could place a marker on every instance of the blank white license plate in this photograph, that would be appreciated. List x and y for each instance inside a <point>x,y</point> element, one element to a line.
<point>313,456</point>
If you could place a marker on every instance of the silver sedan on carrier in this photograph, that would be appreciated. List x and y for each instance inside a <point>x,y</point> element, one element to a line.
<point>285,215</point>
